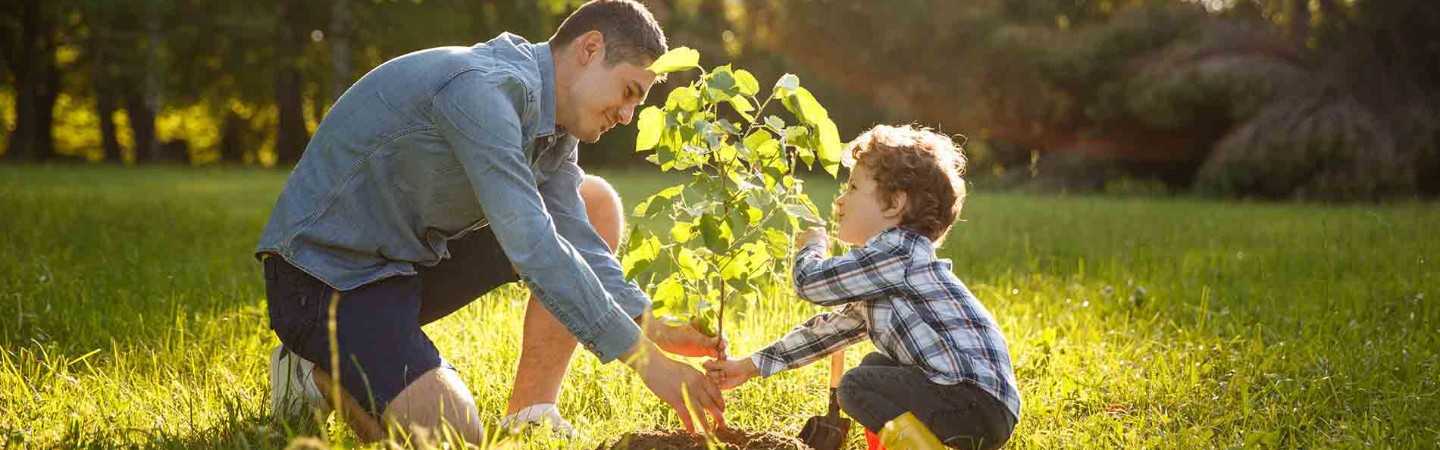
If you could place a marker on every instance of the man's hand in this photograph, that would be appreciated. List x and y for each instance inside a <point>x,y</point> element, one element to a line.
<point>673,382</point>
<point>814,235</point>
<point>731,373</point>
<point>683,339</point>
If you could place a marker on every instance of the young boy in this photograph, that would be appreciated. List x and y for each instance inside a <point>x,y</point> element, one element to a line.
<point>942,375</point>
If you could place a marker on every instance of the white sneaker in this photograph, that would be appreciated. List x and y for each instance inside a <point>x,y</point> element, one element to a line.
<point>292,385</point>
<point>540,415</point>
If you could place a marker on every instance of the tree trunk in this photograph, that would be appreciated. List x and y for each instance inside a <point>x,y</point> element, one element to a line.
<point>103,77</point>
<point>48,94</point>
<point>142,128</point>
<point>232,138</point>
<point>291,137</point>
<point>1299,22</point>
<point>105,108</point>
<point>29,75</point>
<point>340,59</point>
<point>154,96</point>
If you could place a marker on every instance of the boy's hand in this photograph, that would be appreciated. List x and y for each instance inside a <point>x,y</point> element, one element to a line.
<point>814,235</point>
<point>731,373</point>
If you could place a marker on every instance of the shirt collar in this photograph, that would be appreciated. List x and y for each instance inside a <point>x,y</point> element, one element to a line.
<point>546,61</point>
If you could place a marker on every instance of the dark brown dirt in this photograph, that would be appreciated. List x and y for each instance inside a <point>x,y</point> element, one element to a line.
<point>680,440</point>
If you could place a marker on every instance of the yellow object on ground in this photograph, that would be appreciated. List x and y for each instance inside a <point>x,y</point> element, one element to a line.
<point>907,433</point>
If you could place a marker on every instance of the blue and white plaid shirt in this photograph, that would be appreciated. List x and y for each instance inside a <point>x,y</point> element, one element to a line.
<point>911,306</point>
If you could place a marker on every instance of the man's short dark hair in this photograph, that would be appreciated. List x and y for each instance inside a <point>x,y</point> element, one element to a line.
<point>631,34</point>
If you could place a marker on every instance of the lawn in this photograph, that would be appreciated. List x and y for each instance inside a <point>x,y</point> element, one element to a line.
<point>132,313</point>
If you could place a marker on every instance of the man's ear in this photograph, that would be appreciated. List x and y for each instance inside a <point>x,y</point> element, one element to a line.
<point>898,201</point>
<point>590,47</point>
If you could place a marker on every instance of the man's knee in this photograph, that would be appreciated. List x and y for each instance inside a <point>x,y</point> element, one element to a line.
<point>604,208</point>
<point>434,400</point>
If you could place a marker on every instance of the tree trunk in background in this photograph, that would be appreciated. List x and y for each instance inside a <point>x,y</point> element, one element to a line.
<point>47,95</point>
<point>340,59</point>
<point>232,142</point>
<point>103,78</point>
<point>29,75</point>
<point>105,108</point>
<point>142,128</point>
<point>154,96</point>
<point>1299,21</point>
<point>291,137</point>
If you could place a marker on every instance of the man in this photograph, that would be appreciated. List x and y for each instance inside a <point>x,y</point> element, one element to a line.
<point>441,175</point>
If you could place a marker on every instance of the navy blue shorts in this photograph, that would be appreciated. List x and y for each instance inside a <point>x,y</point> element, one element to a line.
<point>381,346</point>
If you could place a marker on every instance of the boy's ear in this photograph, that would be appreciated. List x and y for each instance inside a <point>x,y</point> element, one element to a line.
<point>898,201</point>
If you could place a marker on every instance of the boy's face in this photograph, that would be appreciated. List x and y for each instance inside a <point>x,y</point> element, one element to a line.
<point>861,210</point>
<point>604,96</point>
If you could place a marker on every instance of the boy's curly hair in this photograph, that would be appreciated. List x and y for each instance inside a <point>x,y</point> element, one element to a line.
<point>925,165</point>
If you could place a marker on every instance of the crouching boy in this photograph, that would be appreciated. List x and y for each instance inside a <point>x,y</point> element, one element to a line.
<point>942,373</point>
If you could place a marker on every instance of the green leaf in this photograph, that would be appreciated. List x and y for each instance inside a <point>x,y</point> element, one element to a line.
<point>777,242</point>
<point>786,84</point>
<point>747,83</point>
<point>650,124</point>
<point>775,123</point>
<point>715,232</point>
<point>743,107</point>
<point>803,213</point>
<point>705,324</point>
<point>754,215</point>
<point>659,201</point>
<point>720,84</point>
<point>804,106</point>
<point>726,153</point>
<point>830,146</point>
<point>737,267</point>
<point>726,126</point>
<point>758,138</point>
<point>811,210</point>
<point>684,98</point>
<point>676,59</point>
<point>691,266</point>
<point>760,260</point>
<point>681,232</point>
<point>669,293</point>
<point>639,257</point>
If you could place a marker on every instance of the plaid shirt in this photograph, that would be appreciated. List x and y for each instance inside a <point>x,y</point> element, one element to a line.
<point>909,303</point>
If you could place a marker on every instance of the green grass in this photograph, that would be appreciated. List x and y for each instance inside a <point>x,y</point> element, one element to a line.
<point>131,313</point>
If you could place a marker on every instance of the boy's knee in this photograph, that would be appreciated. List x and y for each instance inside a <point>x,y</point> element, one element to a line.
<point>604,209</point>
<point>851,389</point>
<point>853,394</point>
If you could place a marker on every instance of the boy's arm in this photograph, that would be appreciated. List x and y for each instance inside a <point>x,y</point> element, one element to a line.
<point>863,273</point>
<point>812,340</point>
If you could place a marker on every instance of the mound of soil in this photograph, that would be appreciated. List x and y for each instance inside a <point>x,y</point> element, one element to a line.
<point>680,440</point>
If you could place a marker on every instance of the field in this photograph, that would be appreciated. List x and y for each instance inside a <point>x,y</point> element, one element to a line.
<point>132,313</point>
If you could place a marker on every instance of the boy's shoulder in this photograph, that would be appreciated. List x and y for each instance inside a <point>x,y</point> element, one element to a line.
<point>907,244</point>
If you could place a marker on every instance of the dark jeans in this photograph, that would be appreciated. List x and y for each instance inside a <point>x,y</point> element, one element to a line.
<point>380,346</point>
<point>963,415</point>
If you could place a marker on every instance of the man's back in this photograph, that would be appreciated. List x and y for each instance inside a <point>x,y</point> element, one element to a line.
<point>379,187</point>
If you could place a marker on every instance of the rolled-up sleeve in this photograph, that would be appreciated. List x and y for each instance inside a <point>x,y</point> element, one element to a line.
<point>562,198</point>
<point>479,114</point>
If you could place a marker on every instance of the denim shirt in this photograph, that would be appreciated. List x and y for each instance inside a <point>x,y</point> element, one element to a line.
<point>436,144</point>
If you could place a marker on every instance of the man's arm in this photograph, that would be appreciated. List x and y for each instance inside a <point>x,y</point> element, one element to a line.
<point>479,114</point>
<point>561,193</point>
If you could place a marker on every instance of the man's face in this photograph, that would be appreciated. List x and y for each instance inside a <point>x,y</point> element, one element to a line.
<point>606,95</point>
